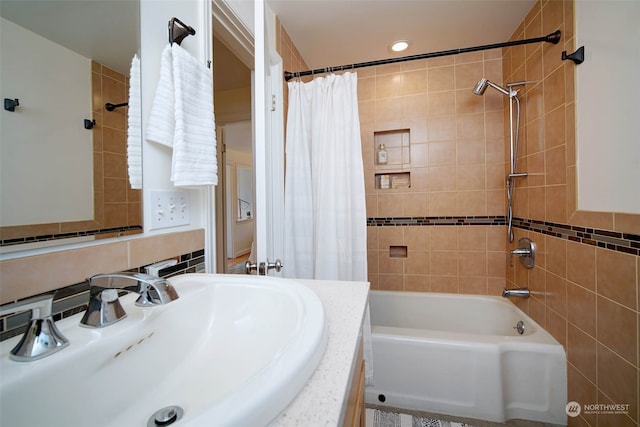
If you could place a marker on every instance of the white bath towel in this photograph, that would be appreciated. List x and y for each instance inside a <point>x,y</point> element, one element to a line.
<point>182,118</point>
<point>134,129</point>
<point>194,142</point>
<point>162,117</point>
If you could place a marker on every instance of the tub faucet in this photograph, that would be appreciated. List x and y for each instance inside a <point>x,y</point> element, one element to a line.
<point>104,305</point>
<point>42,338</point>
<point>520,293</point>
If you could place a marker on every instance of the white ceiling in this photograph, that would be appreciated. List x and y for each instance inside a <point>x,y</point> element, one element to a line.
<point>103,30</point>
<point>340,32</point>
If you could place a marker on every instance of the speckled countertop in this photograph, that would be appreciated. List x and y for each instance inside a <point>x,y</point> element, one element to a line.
<point>322,401</point>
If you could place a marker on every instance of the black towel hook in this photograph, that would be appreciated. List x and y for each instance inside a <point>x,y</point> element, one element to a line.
<point>577,57</point>
<point>11,104</point>
<point>178,30</point>
<point>110,107</point>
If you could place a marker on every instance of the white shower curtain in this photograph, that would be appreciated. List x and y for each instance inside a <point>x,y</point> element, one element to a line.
<point>325,213</point>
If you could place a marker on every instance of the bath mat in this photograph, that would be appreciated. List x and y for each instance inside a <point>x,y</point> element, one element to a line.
<point>378,418</point>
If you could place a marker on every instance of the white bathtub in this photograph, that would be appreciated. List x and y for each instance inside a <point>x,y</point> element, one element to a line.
<point>460,355</point>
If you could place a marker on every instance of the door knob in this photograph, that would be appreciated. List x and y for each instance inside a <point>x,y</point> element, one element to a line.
<point>262,268</point>
<point>248,267</point>
<point>275,265</point>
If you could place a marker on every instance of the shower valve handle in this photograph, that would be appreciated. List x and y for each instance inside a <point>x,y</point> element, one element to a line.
<point>526,251</point>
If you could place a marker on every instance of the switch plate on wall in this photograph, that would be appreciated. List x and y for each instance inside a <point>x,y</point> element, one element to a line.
<point>169,208</point>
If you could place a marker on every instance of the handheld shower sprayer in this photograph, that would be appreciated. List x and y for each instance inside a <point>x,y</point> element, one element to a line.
<point>479,89</point>
<point>482,85</point>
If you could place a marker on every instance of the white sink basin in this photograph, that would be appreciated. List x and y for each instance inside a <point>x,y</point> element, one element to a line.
<point>231,351</point>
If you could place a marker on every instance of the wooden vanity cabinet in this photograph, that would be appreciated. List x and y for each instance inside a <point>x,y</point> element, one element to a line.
<point>354,414</point>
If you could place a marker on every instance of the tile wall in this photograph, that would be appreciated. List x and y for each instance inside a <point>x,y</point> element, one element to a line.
<point>585,289</point>
<point>456,166</point>
<point>115,203</point>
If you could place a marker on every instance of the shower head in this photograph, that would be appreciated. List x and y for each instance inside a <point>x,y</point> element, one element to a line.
<point>482,85</point>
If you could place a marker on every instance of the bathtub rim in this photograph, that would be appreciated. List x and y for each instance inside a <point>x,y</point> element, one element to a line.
<point>539,335</point>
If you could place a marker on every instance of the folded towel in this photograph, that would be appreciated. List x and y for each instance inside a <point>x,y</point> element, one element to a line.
<point>134,130</point>
<point>194,143</point>
<point>182,118</point>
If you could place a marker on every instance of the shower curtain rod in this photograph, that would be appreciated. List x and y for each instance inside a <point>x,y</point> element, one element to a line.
<point>550,38</point>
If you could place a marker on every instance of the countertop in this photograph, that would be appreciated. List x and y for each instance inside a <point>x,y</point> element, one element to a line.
<point>322,401</point>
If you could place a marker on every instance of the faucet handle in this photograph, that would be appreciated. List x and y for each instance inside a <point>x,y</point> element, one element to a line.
<point>104,305</point>
<point>42,338</point>
<point>154,290</point>
<point>526,251</point>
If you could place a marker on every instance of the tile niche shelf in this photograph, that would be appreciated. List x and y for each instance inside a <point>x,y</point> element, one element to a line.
<point>398,147</point>
<point>392,180</point>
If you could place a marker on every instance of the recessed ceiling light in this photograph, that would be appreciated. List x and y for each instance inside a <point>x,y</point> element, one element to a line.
<point>399,45</point>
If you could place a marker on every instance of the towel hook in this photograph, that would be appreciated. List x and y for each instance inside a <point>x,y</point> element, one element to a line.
<point>178,32</point>
<point>11,104</point>
<point>110,107</point>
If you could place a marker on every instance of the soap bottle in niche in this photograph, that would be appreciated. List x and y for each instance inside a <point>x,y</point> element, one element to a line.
<point>382,155</point>
<point>385,182</point>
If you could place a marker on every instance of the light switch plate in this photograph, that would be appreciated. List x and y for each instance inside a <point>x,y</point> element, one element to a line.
<point>169,208</point>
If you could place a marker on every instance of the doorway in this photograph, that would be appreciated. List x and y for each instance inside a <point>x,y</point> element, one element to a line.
<point>234,195</point>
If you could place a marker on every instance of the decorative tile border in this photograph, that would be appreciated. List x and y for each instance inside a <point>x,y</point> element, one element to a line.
<point>435,220</point>
<point>613,240</point>
<point>46,237</point>
<point>74,299</point>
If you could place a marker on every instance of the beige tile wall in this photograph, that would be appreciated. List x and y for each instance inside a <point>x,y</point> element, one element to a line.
<point>115,203</point>
<point>456,167</point>
<point>587,297</point>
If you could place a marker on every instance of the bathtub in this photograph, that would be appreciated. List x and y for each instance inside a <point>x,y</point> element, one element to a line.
<point>462,356</point>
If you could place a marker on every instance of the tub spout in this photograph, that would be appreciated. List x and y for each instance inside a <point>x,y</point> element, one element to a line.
<point>520,293</point>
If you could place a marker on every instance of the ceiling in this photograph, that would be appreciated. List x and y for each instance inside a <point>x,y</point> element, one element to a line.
<point>103,30</point>
<point>228,71</point>
<point>340,32</point>
<point>326,32</point>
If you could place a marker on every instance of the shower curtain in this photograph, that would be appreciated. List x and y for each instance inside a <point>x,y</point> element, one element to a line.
<point>325,219</point>
<point>325,214</point>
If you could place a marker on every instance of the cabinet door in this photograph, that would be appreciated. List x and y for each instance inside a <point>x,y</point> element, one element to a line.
<point>355,412</point>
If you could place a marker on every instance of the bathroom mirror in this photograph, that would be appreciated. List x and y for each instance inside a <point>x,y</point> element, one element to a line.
<point>64,155</point>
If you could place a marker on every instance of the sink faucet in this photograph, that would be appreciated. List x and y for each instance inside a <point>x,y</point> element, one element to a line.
<point>42,338</point>
<point>520,293</point>
<point>104,305</point>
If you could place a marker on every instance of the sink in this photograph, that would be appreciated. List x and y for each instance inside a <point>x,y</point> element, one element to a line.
<point>231,351</point>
